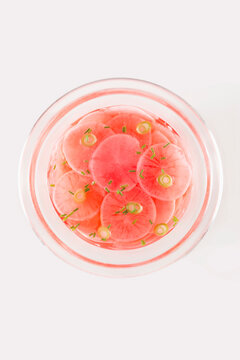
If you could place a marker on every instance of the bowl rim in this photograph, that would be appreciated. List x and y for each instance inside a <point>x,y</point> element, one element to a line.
<point>28,195</point>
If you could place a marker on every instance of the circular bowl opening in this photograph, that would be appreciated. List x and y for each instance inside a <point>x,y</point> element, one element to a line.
<point>199,145</point>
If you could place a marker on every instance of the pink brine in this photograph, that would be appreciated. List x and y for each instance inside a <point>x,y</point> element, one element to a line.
<point>119,178</point>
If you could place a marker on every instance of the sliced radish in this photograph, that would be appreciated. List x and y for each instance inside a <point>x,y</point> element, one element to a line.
<point>182,203</point>
<point>80,142</point>
<point>167,132</point>
<point>116,110</point>
<point>134,207</point>
<point>161,229</point>
<point>158,137</point>
<point>87,226</point>
<point>104,233</point>
<point>57,167</point>
<point>97,116</point>
<point>124,225</point>
<point>132,121</point>
<point>75,198</point>
<point>164,210</point>
<point>113,164</point>
<point>163,172</point>
<point>170,136</point>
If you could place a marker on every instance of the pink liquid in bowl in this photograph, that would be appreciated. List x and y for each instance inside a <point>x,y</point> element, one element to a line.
<point>120,177</point>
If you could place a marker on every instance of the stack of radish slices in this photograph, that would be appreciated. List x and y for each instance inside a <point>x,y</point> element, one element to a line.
<point>119,178</point>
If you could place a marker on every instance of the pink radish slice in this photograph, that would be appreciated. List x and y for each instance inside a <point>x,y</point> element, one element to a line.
<point>182,203</point>
<point>75,150</point>
<point>57,167</point>
<point>164,211</point>
<point>170,136</point>
<point>127,121</point>
<point>89,229</point>
<point>97,116</point>
<point>67,202</point>
<point>161,159</point>
<point>105,114</point>
<point>114,162</point>
<point>187,153</point>
<point>87,226</point>
<point>128,226</point>
<point>158,137</point>
<point>168,133</point>
<point>128,109</point>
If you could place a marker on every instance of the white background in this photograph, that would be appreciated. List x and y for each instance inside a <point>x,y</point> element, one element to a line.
<point>50,310</point>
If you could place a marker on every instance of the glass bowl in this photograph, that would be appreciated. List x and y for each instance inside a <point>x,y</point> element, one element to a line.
<point>197,139</point>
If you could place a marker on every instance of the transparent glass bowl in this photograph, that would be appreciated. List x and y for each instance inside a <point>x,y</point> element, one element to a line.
<point>198,141</point>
